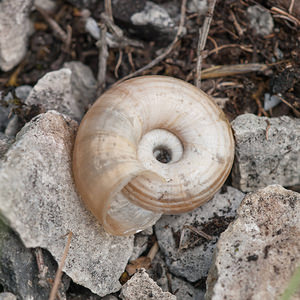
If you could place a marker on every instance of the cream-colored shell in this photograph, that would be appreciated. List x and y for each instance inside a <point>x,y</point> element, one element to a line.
<point>115,167</point>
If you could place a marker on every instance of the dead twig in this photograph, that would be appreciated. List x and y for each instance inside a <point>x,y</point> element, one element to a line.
<point>102,62</point>
<point>296,111</point>
<point>108,9</point>
<point>117,39</point>
<point>203,33</point>
<point>237,26</point>
<point>291,6</point>
<point>267,129</point>
<point>60,267</point>
<point>57,30</point>
<point>216,50</point>
<point>214,42</point>
<point>167,51</point>
<point>43,269</point>
<point>199,232</point>
<point>152,252</point>
<point>118,63</point>
<point>195,230</point>
<point>256,96</point>
<point>285,15</point>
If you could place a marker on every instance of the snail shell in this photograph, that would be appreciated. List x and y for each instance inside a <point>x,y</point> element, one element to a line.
<point>147,146</point>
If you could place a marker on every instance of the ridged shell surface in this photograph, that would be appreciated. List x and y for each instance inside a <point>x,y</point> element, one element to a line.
<point>116,167</point>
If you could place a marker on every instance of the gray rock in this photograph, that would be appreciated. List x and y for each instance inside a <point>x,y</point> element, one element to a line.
<point>13,126</point>
<point>39,201</point>
<point>142,287</point>
<point>192,259</point>
<point>83,84</point>
<point>15,29</point>
<point>7,296</point>
<point>19,271</point>
<point>182,289</point>
<point>4,113</point>
<point>23,91</point>
<point>258,253</point>
<point>54,91</point>
<point>260,19</point>
<point>69,90</point>
<point>140,245</point>
<point>46,5</point>
<point>197,6</point>
<point>5,143</point>
<point>267,152</point>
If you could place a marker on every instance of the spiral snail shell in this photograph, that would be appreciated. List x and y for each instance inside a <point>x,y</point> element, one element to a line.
<point>150,145</point>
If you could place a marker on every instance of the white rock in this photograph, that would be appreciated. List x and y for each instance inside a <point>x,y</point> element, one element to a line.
<point>15,29</point>
<point>267,152</point>
<point>142,287</point>
<point>154,15</point>
<point>194,259</point>
<point>39,201</point>
<point>258,253</point>
<point>92,27</point>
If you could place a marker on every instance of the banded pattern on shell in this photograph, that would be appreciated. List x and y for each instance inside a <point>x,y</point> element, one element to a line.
<point>150,145</point>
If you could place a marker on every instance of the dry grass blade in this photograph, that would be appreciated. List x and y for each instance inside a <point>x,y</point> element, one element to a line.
<point>60,267</point>
<point>230,70</point>
<point>168,50</point>
<point>57,30</point>
<point>203,33</point>
<point>286,15</point>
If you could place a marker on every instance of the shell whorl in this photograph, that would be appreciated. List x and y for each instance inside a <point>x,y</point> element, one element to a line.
<point>116,167</point>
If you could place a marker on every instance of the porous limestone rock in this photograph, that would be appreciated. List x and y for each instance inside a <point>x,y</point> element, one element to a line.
<point>15,29</point>
<point>267,152</point>
<point>39,201</point>
<point>191,258</point>
<point>258,253</point>
<point>142,287</point>
<point>69,90</point>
